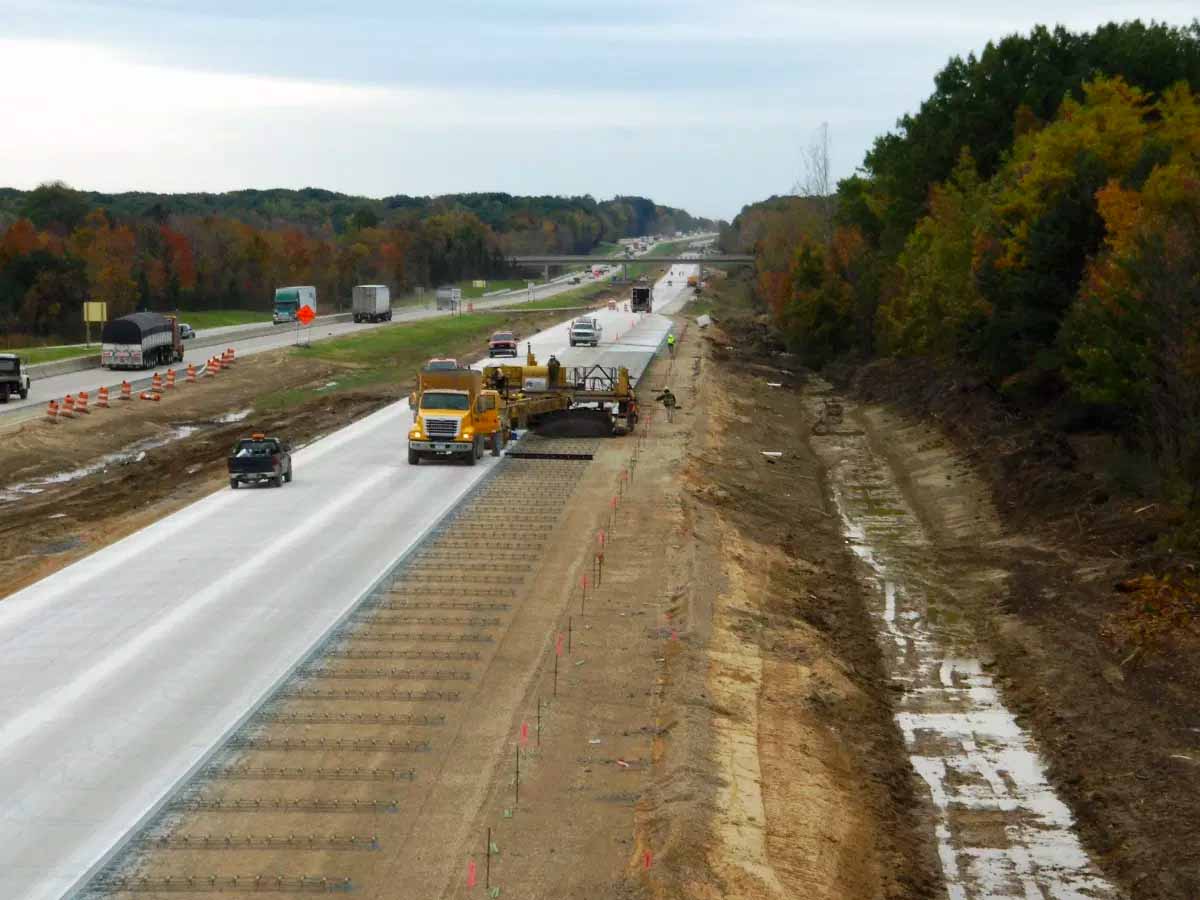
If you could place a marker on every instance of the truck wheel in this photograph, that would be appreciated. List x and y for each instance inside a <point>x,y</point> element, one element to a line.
<point>287,476</point>
<point>25,394</point>
<point>233,483</point>
<point>414,458</point>
<point>473,454</point>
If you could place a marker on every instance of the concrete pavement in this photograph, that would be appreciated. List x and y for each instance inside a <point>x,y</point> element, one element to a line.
<point>121,672</point>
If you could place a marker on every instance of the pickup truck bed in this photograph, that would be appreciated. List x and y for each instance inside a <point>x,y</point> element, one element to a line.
<point>260,460</point>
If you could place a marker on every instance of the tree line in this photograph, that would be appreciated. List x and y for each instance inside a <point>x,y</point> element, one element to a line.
<point>59,246</point>
<point>1038,220</point>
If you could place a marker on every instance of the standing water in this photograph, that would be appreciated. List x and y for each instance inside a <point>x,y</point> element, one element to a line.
<point>1001,830</point>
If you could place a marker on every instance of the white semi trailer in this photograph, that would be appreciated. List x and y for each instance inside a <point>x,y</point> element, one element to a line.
<point>371,303</point>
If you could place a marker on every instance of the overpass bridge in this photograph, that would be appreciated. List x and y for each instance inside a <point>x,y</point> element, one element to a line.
<point>547,261</point>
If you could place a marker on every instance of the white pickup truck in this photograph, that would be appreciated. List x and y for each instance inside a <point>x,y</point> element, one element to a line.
<point>585,331</point>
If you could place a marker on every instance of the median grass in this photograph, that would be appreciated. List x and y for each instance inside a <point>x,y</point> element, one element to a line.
<point>385,360</point>
<point>31,356</point>
<point>220,318</point>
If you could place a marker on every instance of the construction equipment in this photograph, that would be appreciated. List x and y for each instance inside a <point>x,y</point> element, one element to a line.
<point>640,299</point>
<point>458,412</point>
<point>574,401</point>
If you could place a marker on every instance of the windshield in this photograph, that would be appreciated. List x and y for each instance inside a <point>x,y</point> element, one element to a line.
<point>582,326</point>
<point>254,448</point>
<point>445,400</point>
<point>8,365</point>
<point>502,336</point>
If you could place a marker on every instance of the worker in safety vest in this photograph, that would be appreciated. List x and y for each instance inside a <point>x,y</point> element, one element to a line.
<point>671,343</point>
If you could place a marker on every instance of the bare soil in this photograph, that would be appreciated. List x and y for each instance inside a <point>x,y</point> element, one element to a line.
<point>1121,734</point>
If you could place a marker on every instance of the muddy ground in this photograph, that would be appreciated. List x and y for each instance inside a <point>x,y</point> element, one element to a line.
<point>153,471</point>
<point>778,771</point>
<point>1121,735</point>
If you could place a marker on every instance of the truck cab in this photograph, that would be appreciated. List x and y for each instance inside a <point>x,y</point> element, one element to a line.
<point>453,416</point>
<point>585,331</point>
<point>13,380</point>
<point>288,301</point>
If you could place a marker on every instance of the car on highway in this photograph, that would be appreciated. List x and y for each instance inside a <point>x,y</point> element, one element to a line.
<point>186,331</point>
<point>574,279</point>
<point>585,331</point>
<point>12,379</point>
<point>502,343</point>
<point>259,459</point>
<point>442,364</point>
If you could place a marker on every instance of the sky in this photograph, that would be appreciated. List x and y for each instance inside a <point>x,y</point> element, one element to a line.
<point>699,104</point>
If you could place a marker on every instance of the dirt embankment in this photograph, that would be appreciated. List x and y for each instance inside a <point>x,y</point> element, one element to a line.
<point>1121,733</point>
<point>778,771</point>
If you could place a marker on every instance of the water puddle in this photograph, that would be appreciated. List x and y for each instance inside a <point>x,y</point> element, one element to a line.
<point>1001,830</point>
<point>229,418</point>
<point>133,453</point>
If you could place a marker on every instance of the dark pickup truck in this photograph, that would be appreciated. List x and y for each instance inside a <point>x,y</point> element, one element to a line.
<point>260,458</point>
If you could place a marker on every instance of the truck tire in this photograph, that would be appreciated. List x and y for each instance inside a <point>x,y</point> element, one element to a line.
<point>473,454</point>
<point>277,481</point>
<point>233,483</point>
<point>414,458</point>
<point>25,394</point>
<point>287,476</point>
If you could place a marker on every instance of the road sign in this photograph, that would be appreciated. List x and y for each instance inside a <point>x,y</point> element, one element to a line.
<point>95,311</point>
<point>306,315</point>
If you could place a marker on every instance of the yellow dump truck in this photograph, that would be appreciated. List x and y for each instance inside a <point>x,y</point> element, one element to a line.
<point>453,416</point>
<point>693,281</point>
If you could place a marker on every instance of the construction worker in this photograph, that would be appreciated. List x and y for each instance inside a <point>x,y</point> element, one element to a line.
<point>667,399</point>
<point>671,343</point>
<point>552,367</point>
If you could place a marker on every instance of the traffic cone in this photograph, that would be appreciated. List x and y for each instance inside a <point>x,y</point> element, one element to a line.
<point>126,391</point>
<point>52,411</point>
<point>149,395</point>
<point>191,374</point>
<point>216,363</point>
<point>156,383</point>
<point>170,379</point>
<point>102,398</point>
<point>67,410</point>
<point>82,402</point>
<point>232,355</point>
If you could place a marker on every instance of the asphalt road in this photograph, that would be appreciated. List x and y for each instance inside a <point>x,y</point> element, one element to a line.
<point>120,672</point>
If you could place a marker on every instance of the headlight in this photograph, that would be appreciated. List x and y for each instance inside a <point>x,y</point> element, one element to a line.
<point>468,432</point>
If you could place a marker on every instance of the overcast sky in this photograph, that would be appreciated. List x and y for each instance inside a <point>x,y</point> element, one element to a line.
<point>696,103</point>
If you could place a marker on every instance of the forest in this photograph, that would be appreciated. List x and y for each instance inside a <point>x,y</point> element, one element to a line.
<point>1036,221</point>
<point>60,246</point>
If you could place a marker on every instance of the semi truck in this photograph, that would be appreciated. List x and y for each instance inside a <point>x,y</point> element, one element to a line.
<point>288,301</point>
<point>140,340</point>
<point>371,303</point>
<point>640,300</point>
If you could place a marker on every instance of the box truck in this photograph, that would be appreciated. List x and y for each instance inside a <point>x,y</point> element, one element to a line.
<point>371,303</point>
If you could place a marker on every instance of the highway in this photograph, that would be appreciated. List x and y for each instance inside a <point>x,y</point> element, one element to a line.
<point>57,386</point>
<point>122,671</point>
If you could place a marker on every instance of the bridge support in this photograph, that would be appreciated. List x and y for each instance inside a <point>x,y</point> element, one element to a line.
<point>546,274</point>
